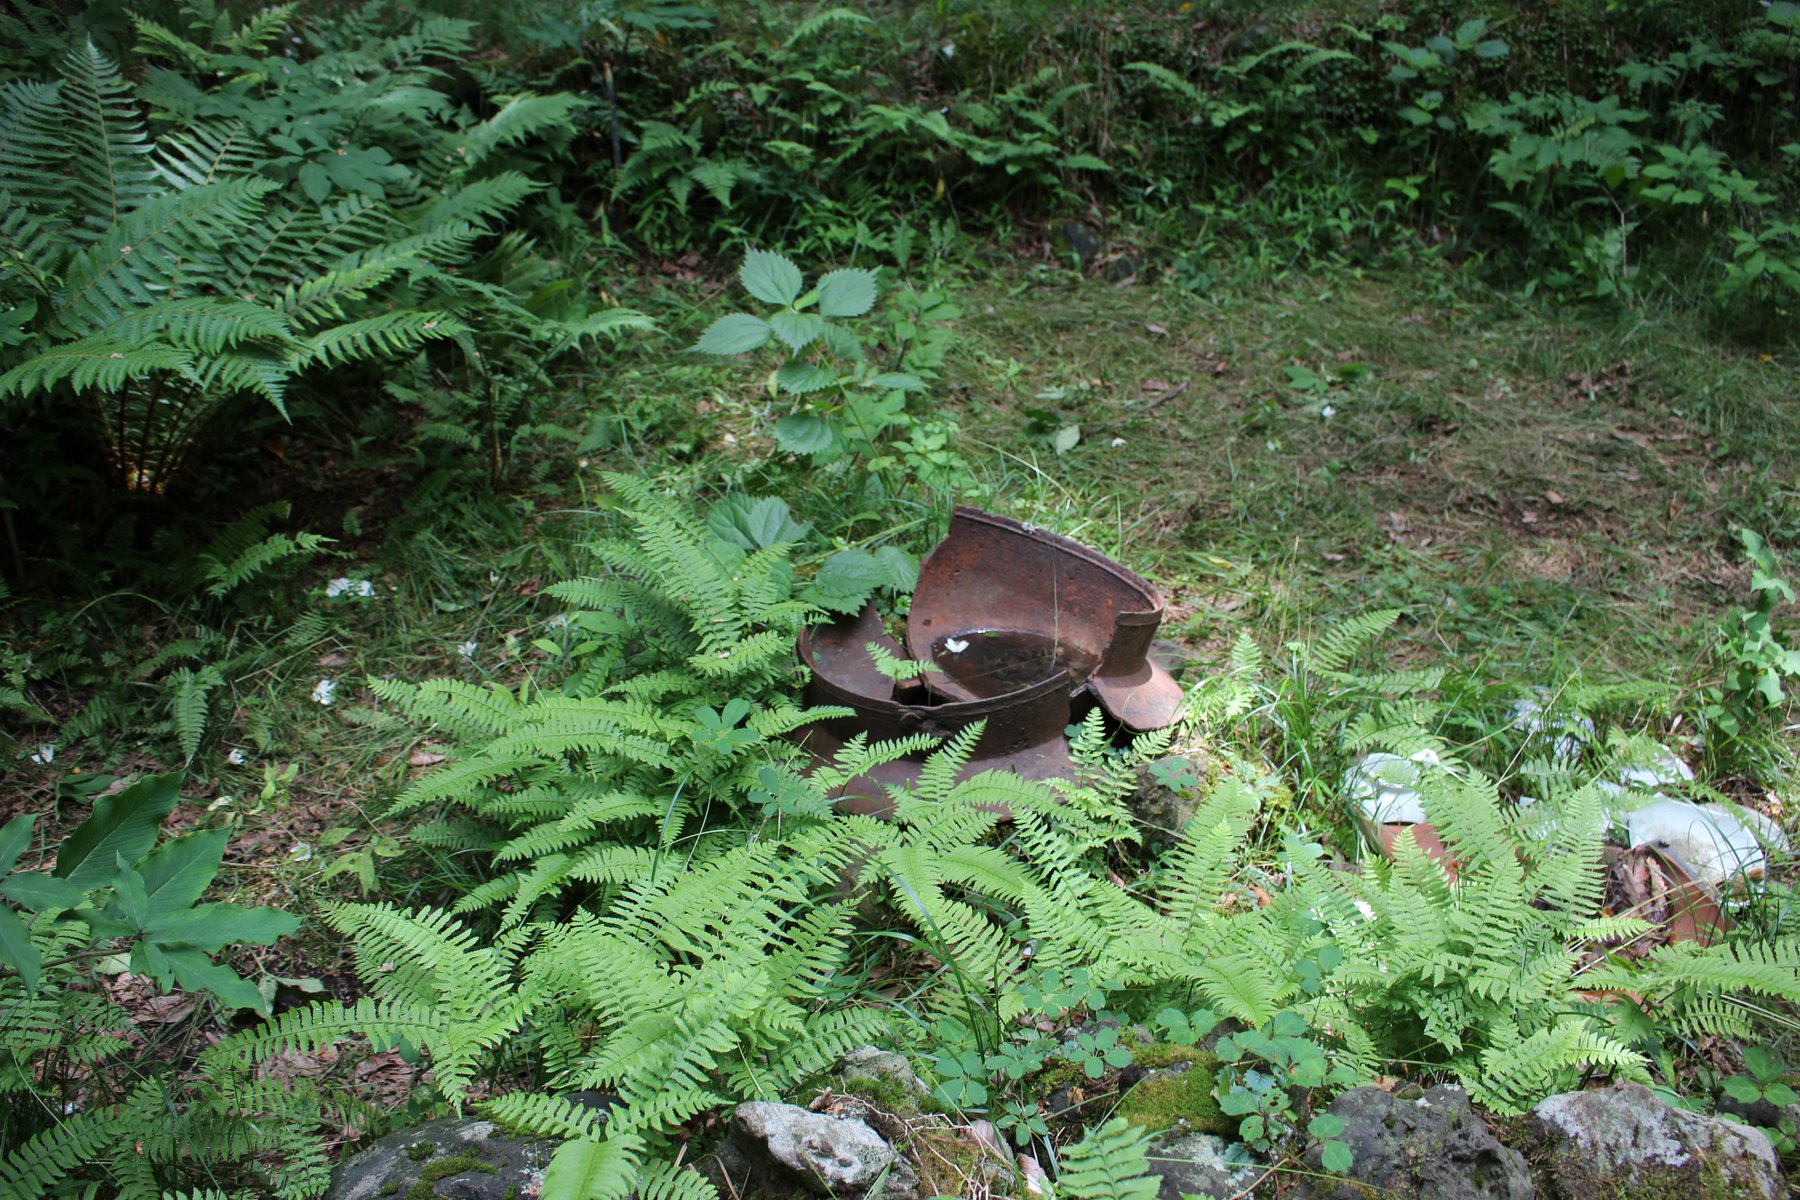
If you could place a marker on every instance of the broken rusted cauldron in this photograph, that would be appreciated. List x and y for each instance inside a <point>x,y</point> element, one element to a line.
<point>1022,625</point>
<point>1001,604</point>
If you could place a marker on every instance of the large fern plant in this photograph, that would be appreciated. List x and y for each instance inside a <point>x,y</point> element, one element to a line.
<point>153,280</point>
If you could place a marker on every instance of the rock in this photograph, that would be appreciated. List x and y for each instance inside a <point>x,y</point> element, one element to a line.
<point>829,1156</point>
<point>1199,1164</point>
<point>1176,1099</point>
<point>1624,1143</point>
<point>884,1071</point>
<point>1425,1147</point>
<point>454,1158</point>
<point>1072,237</point>
<point>1166,795</point>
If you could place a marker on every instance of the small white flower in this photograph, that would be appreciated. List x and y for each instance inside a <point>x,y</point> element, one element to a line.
<point>1117,442</point>
<point>343,585</point>
<point>324,691</point>
<point>559,621</point>
<point>1328,412</point>
<point>467,649</point>
<point>493,577</point>
<point>46,753</point>
<point>236,757</point>
<point>949,49</point>
<point>301,852</point>
<point>954,646</point>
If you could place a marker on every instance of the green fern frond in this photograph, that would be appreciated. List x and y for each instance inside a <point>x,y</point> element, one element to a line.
<point>1333,650</point>
<point>385,336</point>
<point>108,144</point>
<point>140,254</point>
<point>1108,1163</point>
<point>93,364</point>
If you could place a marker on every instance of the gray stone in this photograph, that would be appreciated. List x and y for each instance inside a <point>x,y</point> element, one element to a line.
<point>493,1165</point>
<point>829,1156</point>
<point>1626,1139</point>
<point>1196,1164</point>
<point>883,1066</point>
<point>1426,1147</point>
<point>1072,237</point>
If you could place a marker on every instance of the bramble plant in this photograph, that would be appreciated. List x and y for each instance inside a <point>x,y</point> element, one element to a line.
<point>1759,666</point>
<point>844,406</point>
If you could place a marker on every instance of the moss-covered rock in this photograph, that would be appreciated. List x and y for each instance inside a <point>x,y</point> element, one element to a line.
<point>1178,1098</point>
<point>468,1157</point>
<point>1625,1143</point>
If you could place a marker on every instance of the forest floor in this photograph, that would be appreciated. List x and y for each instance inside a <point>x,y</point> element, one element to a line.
<point>1543,498</point>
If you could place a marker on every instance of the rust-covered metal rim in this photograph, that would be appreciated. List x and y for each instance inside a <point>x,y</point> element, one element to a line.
<point>1024,734</point>
<point>993,575</point>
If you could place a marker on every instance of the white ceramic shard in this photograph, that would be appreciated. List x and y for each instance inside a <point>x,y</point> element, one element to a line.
<point>1385,788</point>
<point>1713,843</point>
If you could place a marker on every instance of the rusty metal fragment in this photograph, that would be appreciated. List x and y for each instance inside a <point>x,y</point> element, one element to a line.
<point>1024,626</point>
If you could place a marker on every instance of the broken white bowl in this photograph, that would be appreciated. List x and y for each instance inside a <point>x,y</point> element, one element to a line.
<point>1715,844</point>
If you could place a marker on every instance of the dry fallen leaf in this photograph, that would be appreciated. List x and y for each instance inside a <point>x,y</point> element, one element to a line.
<point>1156,385</point>
<point>1555,498</point>
<point>337,658</point>
<point>424,758</point>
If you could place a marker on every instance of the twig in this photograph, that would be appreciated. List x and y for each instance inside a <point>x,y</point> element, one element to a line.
<point>1168,395</point>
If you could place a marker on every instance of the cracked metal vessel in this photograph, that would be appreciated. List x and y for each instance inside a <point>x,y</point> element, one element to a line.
<point>1021,624</point>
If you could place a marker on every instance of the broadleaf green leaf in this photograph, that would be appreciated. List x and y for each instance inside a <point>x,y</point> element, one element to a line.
<point>16,950</point>
<point>40,893</point>
<point>212,927</point>
<point>121,827</point>
<point>15,835</point>
<point>177,874</point>
<point>196,972</point>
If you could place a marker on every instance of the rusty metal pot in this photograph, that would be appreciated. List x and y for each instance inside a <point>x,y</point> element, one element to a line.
<point>1023,734</point>
<point>1001,605</point>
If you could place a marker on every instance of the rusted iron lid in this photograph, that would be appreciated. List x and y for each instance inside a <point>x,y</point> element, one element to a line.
<point>1001,605</point>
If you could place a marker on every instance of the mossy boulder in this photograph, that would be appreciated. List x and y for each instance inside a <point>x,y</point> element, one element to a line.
<point>455,1158</point>
<point>1625,1143</point>
<point>1178,1097</point>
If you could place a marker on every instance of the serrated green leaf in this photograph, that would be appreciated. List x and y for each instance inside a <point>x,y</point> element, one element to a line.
<point>802,379</point>
<point>734,333</point>
<point>770,277</point>
<point>121,827</point>
<point>797,330</point>
<point>895,381</point>
<point>1492,48</point>
<point>16,950</point>
<point>847,293</point>
<point>803,433</point>
<point>1337,1157</point>
<point>15,835</point>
